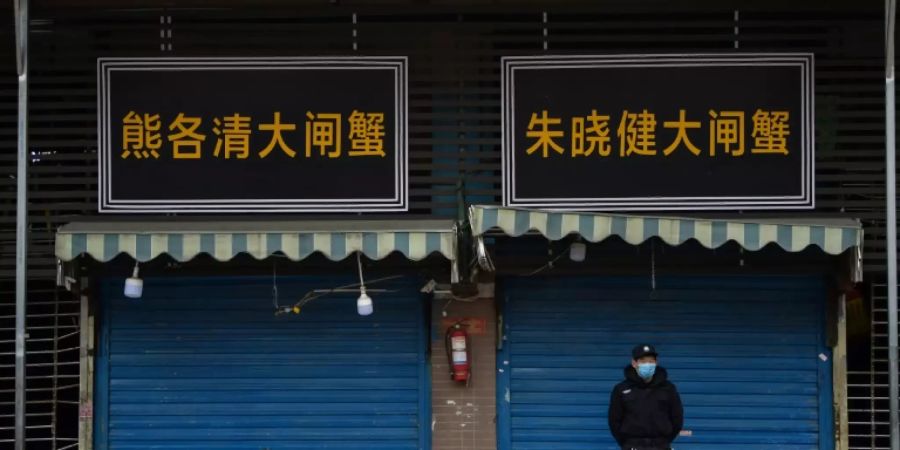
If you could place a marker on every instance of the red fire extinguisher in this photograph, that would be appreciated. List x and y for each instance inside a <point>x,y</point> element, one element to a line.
<point>458,355</point>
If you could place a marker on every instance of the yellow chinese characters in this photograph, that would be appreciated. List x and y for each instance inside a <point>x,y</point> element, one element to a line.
<point>682,125</point>
<point>726,131</point>
<point>140,136</point>
<point>234,135</point>
<point>637,134</point>
<point>596,136</point>
<point>186,141</point>
<point>277,139</point>
<point>366,134</point>
<point>543,134</point>
<point>770,132</point>
<point>323,131</point>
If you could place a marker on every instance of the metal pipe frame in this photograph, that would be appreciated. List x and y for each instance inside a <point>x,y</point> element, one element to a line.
<point>21,12</point>
<point>891,193</point>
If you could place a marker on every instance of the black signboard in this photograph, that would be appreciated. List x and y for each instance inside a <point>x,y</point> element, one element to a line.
<point>658,132</point>
<point>252,134</point>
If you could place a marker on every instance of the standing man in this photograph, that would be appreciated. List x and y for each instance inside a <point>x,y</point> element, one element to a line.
<point>645,411</point>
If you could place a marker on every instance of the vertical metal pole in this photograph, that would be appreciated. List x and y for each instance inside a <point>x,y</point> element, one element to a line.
<point>891,181</point>
<point>21,11</point>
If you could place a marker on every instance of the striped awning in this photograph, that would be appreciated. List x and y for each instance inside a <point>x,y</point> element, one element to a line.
<point>834,236</point>
<point>223,241</point>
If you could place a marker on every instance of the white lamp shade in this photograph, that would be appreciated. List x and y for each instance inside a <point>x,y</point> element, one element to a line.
<point>364,304</point>
<point>577,251</point>
<point>134,288</point>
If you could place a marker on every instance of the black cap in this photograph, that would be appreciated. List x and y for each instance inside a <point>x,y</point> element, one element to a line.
<point>643,350</point>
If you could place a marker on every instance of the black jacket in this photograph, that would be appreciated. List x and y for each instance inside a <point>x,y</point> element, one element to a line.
<point>645,414</point>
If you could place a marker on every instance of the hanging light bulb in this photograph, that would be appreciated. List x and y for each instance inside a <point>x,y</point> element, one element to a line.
<point>364,305</point>
<point>134,286</point>
<point>577,251</point>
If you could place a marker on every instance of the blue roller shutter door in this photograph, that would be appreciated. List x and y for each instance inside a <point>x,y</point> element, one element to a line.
<point>203,363</point>
<point>747,353</point>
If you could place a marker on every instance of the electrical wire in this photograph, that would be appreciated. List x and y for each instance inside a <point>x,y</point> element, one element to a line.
<point>653,266</point>
<point>313,295</point>
<point>549,264</point>
<point>454,298</point>
<point>362,284</point>
<point>275,285</point>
